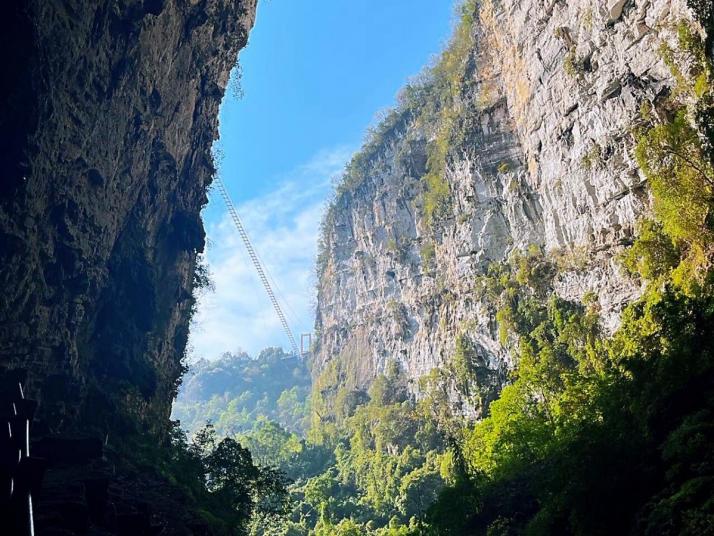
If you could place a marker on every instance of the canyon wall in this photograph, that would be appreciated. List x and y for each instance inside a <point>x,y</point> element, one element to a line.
<point>109,112</point>
<point>542,100</point>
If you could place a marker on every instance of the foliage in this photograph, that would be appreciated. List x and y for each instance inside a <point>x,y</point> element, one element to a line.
<point>428,253</point>
<point>447,77</point>
<point>653,254</point>
<point>592,158</point>
<point>436,191</point>
<point>572,65</point>
<point>610,402</point>
<point>219,477</point>
<point>235,391</point>
<point>383,465</point>
<point>688,63</point>
<point>464,364</point>
<point>270,443</point>
<point>471,374</point>
<point>681,179</point>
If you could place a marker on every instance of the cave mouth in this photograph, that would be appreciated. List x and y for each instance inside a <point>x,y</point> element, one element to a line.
<point>236,301</point>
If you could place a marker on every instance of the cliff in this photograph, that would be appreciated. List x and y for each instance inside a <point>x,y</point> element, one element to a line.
<point>109,113</point>
<point>110,109</point>
<point>520,135</point>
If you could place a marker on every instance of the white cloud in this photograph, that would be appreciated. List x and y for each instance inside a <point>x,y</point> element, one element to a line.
<point>283,226</point>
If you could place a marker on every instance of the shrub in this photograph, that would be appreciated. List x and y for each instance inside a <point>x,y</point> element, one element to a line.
<point>653,254</point>
<point>572,65</point>
<point>681,179</point>
<point>592,158</point>
<point>428,252</point>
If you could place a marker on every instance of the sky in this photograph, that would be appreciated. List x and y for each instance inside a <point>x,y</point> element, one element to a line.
<point>313,77</point>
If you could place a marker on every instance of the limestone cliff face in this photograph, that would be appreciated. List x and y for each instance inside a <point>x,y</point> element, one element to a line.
<point>109,112</point>
<point>542,155</point>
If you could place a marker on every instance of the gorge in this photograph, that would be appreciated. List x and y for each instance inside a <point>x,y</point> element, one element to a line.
<point>514,282</point>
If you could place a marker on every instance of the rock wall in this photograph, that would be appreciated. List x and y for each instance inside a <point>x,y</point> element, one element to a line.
<point>542,155</point>
<point>109,112</point>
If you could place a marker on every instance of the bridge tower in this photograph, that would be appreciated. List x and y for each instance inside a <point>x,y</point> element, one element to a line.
<point>305,349</point>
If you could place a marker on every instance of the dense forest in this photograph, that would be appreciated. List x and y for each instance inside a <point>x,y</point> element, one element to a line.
<point>236,391</point>
<point>594,433</point>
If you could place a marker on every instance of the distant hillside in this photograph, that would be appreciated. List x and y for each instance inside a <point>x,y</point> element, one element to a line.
<point>236,390</point>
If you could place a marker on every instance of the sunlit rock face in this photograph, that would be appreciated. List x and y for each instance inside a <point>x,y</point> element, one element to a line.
<point>109,112</point>
<point>544,157</point>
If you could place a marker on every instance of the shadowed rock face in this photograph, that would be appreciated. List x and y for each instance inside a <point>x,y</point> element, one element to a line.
<point>109,111</point>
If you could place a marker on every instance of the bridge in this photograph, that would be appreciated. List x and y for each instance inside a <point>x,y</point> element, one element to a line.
<point>305,338</point>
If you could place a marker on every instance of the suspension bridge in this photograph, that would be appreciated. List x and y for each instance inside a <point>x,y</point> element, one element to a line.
<point>305,338</point>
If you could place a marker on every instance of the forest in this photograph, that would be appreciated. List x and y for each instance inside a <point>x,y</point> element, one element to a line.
<point>236,390</point>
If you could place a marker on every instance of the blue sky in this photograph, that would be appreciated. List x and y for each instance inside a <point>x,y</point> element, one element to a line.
<point>315,74</point>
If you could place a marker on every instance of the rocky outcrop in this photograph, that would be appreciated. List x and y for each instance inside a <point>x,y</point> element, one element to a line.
<point>541,154</point>
<point>109,112</point>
